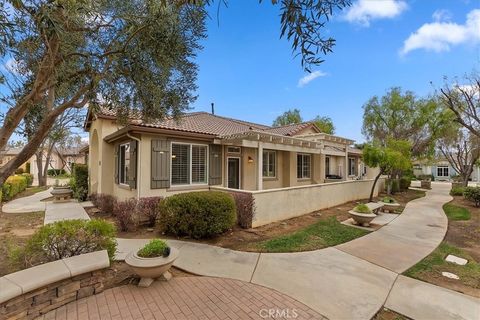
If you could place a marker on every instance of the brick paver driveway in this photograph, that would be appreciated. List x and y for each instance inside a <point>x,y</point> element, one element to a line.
<point>187,298</point>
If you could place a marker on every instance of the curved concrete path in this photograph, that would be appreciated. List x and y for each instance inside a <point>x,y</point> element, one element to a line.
<point>28,204</point>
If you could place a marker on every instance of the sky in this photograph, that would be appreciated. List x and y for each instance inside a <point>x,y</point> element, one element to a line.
<point>251,74</point>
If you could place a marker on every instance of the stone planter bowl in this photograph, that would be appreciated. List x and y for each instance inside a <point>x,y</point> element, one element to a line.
<point>389,206</point>
<point>150,269</point>
<point>362,219</point>
<point>61,194</point>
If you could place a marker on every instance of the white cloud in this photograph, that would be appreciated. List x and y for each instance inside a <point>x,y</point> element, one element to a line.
<point>440,36</point>
<point>310,77</point>
<point>363,11</point>
<point>442,15</point>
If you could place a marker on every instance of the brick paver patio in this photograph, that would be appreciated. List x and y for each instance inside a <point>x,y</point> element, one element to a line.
<point>187,298</point>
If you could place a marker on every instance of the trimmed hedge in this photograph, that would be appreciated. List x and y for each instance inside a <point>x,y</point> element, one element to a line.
<point>29,177</point>
<point>473,194</point>
<point>197,214</point>
<point>457,191</point>
<point>79,182</point>
<point>13,185</point>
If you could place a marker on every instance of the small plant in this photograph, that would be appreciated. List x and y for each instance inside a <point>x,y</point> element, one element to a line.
<point>79,182</point>
<point>473,194</point>
<point>155,248</point>
<point>405,183</point>
<point>65,239</point>
<point>245,204</point>
<point>148,207</point>
<point>104,202</point>
<point>388,200</point>
<point>124,212</point>
<point>457,191</point>
<point>362,208</point>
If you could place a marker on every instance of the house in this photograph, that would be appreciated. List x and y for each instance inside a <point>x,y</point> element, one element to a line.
<point>202,151</point>
<point>441,170</point>
<point>71,156</point>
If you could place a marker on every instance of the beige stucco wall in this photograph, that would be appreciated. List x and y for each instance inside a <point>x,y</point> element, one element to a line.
<point>280,204</point>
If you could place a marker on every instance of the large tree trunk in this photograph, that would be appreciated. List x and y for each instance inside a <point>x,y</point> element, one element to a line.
<point>42,181</point>
<point>374,184</point>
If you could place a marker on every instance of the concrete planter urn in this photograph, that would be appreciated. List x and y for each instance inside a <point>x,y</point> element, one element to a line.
<point>389,204</point>
<point>61,194</point>
<point>150,269</point>
<point>362,219</point>
<point>426,184</point>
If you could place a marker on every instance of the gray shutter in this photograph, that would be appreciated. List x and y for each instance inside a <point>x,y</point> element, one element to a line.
<point>132,173</point>
<point>160,172</point>
<point>117,159</point>
<point>215,165</point>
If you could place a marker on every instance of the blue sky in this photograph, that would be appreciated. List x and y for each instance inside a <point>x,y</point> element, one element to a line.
<point>251,74</point>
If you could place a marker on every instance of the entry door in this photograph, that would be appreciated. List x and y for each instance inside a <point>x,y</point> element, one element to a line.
<point>233,168</point>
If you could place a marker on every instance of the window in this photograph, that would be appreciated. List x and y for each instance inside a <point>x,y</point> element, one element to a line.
<point>327,166</point>
<point>442,172</point>
<point>351,167</point>
<point>233,149</point>
<point>189,164</point>
<point>303,166</point>
<point>124,164</point>
<point>269,163</point>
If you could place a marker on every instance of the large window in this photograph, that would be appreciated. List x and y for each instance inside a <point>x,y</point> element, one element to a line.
<point>189,164</point>
<point>303,166</point>
<point>124,165</point>
<point>269,163</point>
<point>327,166</point>
<point>442,172</point>
<point>351,167</point>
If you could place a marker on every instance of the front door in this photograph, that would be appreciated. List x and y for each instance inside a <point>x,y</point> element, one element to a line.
<point>233,169</point>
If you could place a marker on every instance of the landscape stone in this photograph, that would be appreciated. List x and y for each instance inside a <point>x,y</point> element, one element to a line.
<point>450,275</point>
<point>456,260</point>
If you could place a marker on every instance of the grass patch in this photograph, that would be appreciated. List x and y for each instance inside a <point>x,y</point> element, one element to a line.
<point>456,213</point>
<point>322,234</point>
<point>435,264</point>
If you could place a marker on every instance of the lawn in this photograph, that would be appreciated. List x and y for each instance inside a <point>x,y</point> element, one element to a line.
<point>456,213</point>
<point>324,233</point>
<point>433,265</point>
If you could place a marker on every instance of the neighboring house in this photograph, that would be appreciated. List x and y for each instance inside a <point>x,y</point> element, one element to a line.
<point>201,151</point>
<point>72,156</point>
<point>441,170</point>
<point>9,154</point>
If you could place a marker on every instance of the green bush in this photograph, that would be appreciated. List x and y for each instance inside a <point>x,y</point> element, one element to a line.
<point>29,178</point>
<point>473,194</point>
<point>362,208</point>
<point>388,200</point>
<point>395,186</point>
<point>19,171</point>
<point>13,186</point>
<point>64,239</point>
<point>79,182</point>
<point>155,248</point>
<point>6,191</point>
<point>56,172</point>
<point>197,214</point>
<point>405,183</point>
<point>457,191</point>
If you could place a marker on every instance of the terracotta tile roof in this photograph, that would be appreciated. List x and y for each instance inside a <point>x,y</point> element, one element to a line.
<point>291,129</point>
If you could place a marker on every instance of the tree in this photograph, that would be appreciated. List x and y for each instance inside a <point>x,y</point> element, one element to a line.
<point>403,116</point>
<point>127,55</point>
<point>288,117</point>
<point>325,124</point>
<point>394,156</point>
<point>461,148</point>
<point>464,101</point>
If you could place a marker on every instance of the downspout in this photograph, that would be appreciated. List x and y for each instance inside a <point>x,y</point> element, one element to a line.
<point>139,160</point>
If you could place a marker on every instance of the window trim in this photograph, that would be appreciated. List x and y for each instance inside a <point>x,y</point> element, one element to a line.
<point>120,183</point>
<point>443,171</point>
<point>310,166</point>
<point>173,186</point>
<point>274,163</point>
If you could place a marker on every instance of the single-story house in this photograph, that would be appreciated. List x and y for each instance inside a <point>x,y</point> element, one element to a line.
<point>441,170</point>
<point>203,151</point>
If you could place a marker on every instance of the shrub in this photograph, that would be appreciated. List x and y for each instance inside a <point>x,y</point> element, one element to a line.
<point>79,182</point>
<point>457,191</point>
<point>19,171</point>
<point>245,204</point>
<point>17,184</point>
<point>197,214</point>
<point>395,186</point>
<point>148,207</point>
<point>362,208</point>
<point>6,191</point>
<point>155,248</point>
<point>104,202</point>
<point>124,212</point>
<point>64,239</point>
<point>473,194</point>
<point>388,200</point>
<point>27,167</point>
<point>405,183</point>
<point>56,172</point>
<point>29,178</point>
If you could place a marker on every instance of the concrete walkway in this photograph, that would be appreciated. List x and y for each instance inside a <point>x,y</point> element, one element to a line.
<point>31,203</point>
<point>64,211</point>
